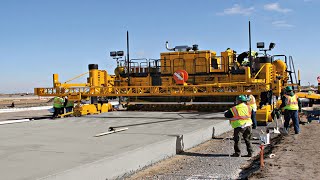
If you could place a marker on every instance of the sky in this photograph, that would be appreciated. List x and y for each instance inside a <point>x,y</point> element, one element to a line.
<point>41,37</point>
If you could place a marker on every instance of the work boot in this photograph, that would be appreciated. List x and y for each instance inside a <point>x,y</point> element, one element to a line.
<point>286,131</point>
<point>235,155</point>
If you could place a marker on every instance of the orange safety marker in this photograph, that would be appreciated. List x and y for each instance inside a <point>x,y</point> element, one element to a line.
<point>261,156</point>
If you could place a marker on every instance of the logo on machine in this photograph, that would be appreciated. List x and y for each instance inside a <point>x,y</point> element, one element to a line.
<point>180,76</point>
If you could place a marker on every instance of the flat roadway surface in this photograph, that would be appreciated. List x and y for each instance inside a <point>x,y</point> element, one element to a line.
<point>47,148</point>
<point>36,114</point>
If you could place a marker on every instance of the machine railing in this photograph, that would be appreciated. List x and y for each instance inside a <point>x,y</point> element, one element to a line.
<point>226,89</point>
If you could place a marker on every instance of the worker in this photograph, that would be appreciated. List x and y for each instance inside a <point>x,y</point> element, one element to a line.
<point>290,106</point>
<point>244,60</point>
<point>252,103</point>
<point>58,106</point>
<point>241,123</point>
<point>68,104</point>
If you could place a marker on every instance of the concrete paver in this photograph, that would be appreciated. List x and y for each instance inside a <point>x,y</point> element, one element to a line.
<point>67,149</point>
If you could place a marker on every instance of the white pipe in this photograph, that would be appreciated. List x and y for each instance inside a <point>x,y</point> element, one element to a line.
<point>167,47</point>
<point>14,121</point>
<point>25,109</point>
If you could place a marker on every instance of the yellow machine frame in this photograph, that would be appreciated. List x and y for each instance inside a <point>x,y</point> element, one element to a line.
<point>209,75</point>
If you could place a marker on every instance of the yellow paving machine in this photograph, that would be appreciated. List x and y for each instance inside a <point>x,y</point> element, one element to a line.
<point>184,78</point>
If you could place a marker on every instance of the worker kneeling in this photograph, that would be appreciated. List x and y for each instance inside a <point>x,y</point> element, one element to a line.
<point>240,120</point>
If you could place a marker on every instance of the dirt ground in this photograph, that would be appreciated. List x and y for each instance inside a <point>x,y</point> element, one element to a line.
<point>296,156</point>
<point>23,101</point>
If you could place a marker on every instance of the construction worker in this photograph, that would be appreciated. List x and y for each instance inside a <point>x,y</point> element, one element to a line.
<point>290,106</point>
<point>252,103</point>
<point>58,106</point>
<point>243,58</point>
<point>241,123</point>
<point>68,105</point>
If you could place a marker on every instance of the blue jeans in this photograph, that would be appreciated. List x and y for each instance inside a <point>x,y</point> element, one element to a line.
<point>254,120</point>
<point>69,109</point>
<point>291,114</point>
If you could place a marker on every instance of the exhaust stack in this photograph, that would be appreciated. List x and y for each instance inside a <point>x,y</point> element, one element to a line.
<point>182,48</point>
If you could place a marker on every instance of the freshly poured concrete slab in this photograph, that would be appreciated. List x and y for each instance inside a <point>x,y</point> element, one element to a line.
<point>67,149</point>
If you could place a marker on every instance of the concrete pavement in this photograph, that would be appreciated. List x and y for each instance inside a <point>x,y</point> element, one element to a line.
<point>67,149</point>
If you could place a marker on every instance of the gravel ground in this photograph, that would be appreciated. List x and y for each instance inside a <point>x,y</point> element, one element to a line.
<point>209,160</point>
<point>296,156</point>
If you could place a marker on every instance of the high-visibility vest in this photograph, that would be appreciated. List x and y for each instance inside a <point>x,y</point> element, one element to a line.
<point>292,103</point>
<point>253,103</point>
<point>70,103</point>
<point>241,115</point>
<point>253,54</point>
<point>57,102</point>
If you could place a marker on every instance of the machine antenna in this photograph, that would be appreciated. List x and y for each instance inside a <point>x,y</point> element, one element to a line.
<point>250,59</point>
<point>128,59</point>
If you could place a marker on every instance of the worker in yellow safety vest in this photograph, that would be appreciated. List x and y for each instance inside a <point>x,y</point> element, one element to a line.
<point>68,104</point>
<point>252,103</point>
<point>290,106</point>
<point>58,106</point>
<point>240,120</point>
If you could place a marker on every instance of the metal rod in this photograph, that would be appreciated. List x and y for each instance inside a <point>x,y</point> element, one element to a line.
<point>128,58</point>
<point>110,132</point>
<point>250,63</point>
<point>76,77</point>
<point>261,156</point>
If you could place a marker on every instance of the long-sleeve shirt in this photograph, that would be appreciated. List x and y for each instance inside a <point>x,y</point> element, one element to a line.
<point>228,114</point>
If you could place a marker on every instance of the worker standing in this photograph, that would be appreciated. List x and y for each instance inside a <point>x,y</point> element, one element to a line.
<point>290,106</point>
<point>241,123</point>
<point>58,106</point>
<point>252,103</point>
<point>68,104</point>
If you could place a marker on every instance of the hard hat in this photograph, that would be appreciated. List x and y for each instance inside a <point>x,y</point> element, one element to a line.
<point>242,98</point>
<point>249,90</point>
<point>288,88</point>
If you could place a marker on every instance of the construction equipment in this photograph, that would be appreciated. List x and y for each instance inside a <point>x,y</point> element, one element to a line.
<point>312,113</point>
<point>184,78</point>
<point>183,72</point>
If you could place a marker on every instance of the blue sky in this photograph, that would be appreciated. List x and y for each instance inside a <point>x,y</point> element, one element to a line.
<point>42,37</point>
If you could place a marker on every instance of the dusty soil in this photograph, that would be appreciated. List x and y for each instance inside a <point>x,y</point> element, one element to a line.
<point>23,101</point>
<point>296,156</point>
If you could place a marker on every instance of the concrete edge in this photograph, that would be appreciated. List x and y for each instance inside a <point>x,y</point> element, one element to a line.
<point>128,162</point>
<point>118,165</point>
<point>197,137</point>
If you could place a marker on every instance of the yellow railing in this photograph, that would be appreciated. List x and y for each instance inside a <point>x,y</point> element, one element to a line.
<point>189,90</point>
